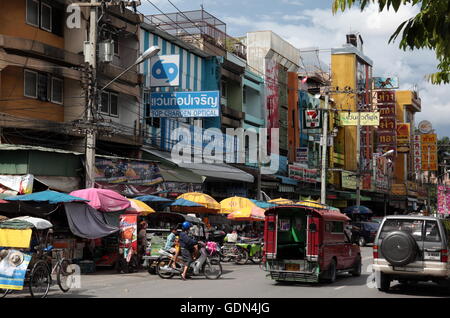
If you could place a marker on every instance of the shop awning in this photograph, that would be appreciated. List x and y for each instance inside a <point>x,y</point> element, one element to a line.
<point>177,174</point>
<point>218,171</point>
<point>288,181</point>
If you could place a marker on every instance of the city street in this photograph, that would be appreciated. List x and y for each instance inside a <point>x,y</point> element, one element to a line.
<point>246,281</point>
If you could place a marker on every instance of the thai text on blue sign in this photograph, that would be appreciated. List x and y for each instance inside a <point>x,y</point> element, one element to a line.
<point>185,104</point>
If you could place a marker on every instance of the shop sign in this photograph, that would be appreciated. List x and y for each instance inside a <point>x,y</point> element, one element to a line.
<point>443,199</point>
<point>425,127</point>
<point>429,155</point>
<point>185,104</point>
<point>398,189</point>
<point>387,110</point>
<point>349,180</point>
<point>164,70</point>
<point>312,119</point>
<point>417,153</point>
<point>385,82</point>
<point>365,118</point>
<point>385,97</point>
<point>120,171</point>
<point>128,235</point>
<point>302,154</point>
<point>183,187</point>
<point>304,174</point>
<point>403,133</point>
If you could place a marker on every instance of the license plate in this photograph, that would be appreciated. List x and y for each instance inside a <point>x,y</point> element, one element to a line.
<point>292,267</point>
<point>432,256</point>
<point>408,269</point>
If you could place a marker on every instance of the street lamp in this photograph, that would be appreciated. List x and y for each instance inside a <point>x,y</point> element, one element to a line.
<point>90,143</point>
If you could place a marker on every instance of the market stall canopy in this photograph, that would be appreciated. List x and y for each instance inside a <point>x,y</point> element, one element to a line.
<point>357,210</point>
<point>139,207</point>
<point>52,197</point>
<point>312,204</point>
<point>281,201</point>
<point>40,224</point>
<point>185,203</point>
<point>202,199</point>
<point>247,214</point>
<point>235,203</point>
<point>187,206</point>
<point>263,204</point>
<point>152,198</point>
<point>87,222</point>
<point>103,199</point>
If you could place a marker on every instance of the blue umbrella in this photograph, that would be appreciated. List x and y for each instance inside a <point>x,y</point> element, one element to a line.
<point>186,203</point>
<point>263,204</point>
<point>357,210</point>
<point>49,196</point>
<point>152,198</point>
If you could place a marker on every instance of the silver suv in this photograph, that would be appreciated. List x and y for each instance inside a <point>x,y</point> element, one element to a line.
<point>411,248</point>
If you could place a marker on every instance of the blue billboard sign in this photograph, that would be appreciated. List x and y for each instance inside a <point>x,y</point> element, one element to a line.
<point>185,104</point>
<point>385,82</point>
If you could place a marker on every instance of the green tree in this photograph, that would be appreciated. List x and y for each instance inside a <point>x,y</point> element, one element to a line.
<point>429,29</point>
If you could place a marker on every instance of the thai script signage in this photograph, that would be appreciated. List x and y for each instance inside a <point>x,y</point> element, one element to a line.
<point>429,152</point>
<point>185,104</point>
<point>303,173</point>
<point>366,118</point>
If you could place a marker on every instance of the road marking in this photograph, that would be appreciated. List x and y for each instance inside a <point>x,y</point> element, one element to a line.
<point>337,288</point>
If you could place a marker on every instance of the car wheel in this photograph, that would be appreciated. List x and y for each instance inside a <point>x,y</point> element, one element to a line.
<point>332,272</point>
<point>356,272</point>
<point>385,282</point>
<point>399,248</point>
<point>362,241</point>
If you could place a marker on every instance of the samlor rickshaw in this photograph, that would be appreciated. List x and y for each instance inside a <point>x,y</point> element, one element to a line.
<point>25,257</point>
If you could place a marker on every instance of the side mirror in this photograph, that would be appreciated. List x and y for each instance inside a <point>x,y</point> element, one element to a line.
<point>313,227</point>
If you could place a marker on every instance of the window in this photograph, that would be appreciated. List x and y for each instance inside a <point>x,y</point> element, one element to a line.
<point>46,17</point>
<point>57,90</point>
<point>413,227</point>
<point>337,227</point>
<point>109,104</point>
<point>43,86</point>
<point>115,38</point>
<point>432,232</point>
<point>223,89</point>
<point>244,95</point>
<point>30,84</point>
<point>32,13</point>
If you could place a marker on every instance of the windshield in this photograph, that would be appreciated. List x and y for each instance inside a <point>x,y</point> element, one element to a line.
<point>371,226</point>
<point>413,227</point>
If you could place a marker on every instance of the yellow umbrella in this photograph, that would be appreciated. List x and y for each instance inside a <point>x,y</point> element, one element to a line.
<point>233,204</point>
<point>139,207</point>
<point>202,199</point>
<point>312,204</point>
<point>281,201</point>
<point>247,214</point>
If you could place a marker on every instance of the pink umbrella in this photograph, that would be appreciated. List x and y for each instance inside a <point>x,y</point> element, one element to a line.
<point>103,199</point>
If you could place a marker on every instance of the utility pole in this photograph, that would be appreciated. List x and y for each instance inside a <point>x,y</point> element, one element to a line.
<point>92,97</point>
<point>358,158</point>
<point>323,176</point>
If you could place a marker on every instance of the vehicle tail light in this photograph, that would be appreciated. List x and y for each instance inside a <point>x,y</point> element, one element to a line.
<point>444,256</point>
<point>375,251</point>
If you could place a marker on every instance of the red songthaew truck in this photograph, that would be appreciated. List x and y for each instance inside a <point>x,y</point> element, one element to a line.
<point>308,244</point>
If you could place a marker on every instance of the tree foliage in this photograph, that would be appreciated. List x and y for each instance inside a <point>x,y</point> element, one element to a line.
<point>429,29</point>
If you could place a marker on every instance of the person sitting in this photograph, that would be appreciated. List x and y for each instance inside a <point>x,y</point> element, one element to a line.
<point>170,244</point>
<point>188,247</point>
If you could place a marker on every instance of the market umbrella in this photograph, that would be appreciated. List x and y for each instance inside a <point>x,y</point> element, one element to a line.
<point>281,201</point>
<point>247,214</point>
<point>263,204</point>
<point>187,206</point>
<point>103,199</point>
<point>139,207</point>
<point>233,204</point>
<point>202,199</point>
<point>312,204</point>
<point>40,224</point>
<point>49,196</point>
<point>152,198</point>
<point>357,210</point>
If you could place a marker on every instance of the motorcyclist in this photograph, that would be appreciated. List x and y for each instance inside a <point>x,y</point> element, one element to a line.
<point>188,246</point>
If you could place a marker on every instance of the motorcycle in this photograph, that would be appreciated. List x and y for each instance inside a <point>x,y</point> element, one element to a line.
<point>207,264</point>
<point>233,252</point>
<point>253,248</point>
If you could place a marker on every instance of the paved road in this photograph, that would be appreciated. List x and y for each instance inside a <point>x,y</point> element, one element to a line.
<point>246,281</point>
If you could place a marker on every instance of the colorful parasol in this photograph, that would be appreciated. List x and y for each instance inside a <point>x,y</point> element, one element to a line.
<point>281,201</point>
<point>233,204</point>
<point>139,207</point>
<point>187,206</point>
<point>247,214</point>
<point>152,198</point>
<point>201,198</point>
<point>312,204</point>
<point>103,199</point>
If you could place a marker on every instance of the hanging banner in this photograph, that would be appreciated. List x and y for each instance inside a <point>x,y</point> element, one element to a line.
<point>348,180</point>
<point>366,118</point>
<point>128,234</point>
<point>312,119</point>
<point>443,199</point>
<point>385,82</point>
<point>113,170</point>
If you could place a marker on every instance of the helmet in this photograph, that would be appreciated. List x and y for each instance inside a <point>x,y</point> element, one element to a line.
<point>186,225</point>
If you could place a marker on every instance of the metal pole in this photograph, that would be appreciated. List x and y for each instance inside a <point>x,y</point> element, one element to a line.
<point>358,163</point>
<point>92,101</point>
<point>323,177</point>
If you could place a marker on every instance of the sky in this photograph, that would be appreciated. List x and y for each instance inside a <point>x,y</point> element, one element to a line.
<point>310,23</point>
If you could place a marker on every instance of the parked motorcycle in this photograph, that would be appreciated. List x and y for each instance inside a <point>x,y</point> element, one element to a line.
<point>254,249</point>
<point>231,252</point>
<point>207,264</point>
